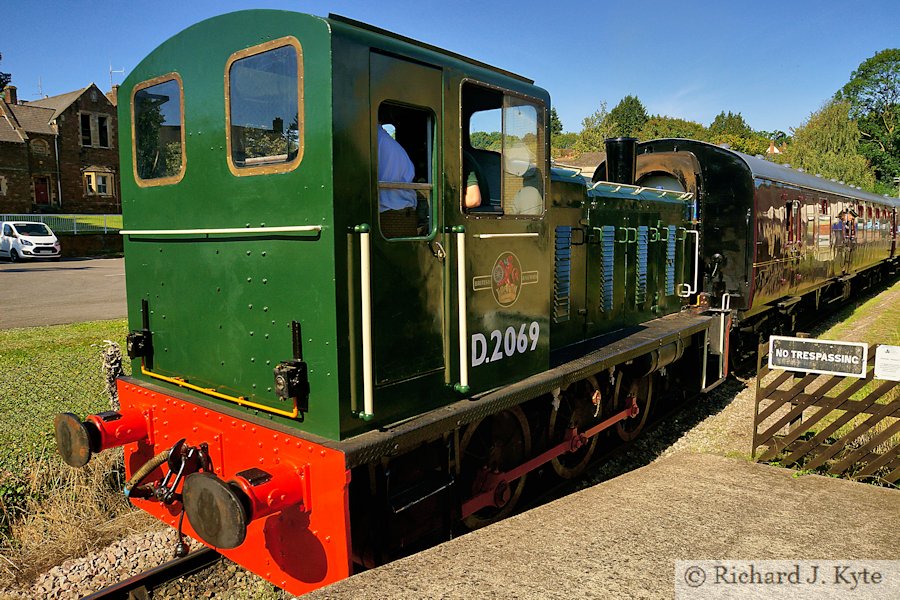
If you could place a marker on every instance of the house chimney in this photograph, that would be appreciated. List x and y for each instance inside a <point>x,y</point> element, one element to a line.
<point>113,95</point>
<point>9,94</point>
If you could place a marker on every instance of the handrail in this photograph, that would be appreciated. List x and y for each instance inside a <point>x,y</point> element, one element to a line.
<point>636,190</point>
<point>404,185</point>
<point>463,385</point>
<point>366,308</point>
<point>224,231</point>
<point>687,291</point>
<point>487,236</point>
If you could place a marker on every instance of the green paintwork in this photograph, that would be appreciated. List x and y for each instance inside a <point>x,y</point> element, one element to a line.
<point>221,305</point>
<point>621,207</point>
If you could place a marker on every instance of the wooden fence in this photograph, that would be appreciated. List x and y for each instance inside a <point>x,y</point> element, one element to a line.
<point>843,426</point>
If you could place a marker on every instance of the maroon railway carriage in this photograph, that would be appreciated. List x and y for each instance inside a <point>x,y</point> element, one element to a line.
<point>774,240</point>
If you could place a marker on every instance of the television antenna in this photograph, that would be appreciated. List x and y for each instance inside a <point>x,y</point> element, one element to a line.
<point>111,71</point>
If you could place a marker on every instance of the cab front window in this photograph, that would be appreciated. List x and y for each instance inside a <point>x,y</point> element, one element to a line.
<point>157,115</point>
<point>264,108</point>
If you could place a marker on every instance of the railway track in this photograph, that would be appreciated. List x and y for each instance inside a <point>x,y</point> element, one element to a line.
<point>140,586</point>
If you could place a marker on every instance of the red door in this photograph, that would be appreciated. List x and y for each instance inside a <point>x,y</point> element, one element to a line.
<point>42,191</point>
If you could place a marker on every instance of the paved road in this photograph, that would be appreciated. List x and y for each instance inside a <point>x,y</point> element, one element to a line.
<point>69,291</point>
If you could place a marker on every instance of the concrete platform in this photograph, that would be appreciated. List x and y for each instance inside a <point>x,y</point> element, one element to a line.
<point>620,539</point>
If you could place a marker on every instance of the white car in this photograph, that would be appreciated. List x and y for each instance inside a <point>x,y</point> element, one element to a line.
<point>21,239</point>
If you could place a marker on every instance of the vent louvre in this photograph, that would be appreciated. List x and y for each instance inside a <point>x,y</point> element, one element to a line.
<point>562,274</point>
<point>643,239</point>
<point>670,261</point>
<point>606,272</point>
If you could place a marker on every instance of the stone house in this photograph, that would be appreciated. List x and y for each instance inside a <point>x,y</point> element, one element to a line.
<point>59,154</point>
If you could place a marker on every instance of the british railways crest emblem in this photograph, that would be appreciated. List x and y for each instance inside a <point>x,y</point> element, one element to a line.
<point>506,279</point>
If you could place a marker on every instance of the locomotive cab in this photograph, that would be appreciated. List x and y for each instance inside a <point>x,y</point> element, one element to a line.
<point>268,204</point>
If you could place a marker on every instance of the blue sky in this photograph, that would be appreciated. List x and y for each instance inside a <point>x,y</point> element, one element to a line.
<point>773,61</point>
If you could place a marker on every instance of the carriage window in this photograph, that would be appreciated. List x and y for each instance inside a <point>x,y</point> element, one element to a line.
<point>158,131</point>
<point>404,151</point>
<point>264,108</point>
<point>848,223</point>
<point>502,153</point>
<point>792,221</point>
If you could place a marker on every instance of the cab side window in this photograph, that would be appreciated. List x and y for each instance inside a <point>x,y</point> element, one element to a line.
<point>503,153</point>
<point>404,153</point>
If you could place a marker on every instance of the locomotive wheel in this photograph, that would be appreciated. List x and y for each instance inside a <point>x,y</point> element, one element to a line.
<point>497,443</point>
<point>575,410</point>
<point>641,390</point>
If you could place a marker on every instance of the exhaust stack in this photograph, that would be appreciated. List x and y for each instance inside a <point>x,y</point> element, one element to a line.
<point>621,160</point>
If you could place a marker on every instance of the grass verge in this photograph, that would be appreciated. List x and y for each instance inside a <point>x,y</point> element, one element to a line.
<point>48,511</point>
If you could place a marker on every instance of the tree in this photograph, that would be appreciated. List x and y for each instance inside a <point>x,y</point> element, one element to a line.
<point>777,136</point>
<point>565,140</point>
<point>874,96</point>
<point>556,125</point>
<point>594,131</point>
<point>729,124</point>
<point>732,130</point>
<point>487,141</point>
<point>5,78</point>
<point>828,144</point>
<point>629,116</point>
<point>752,144</point>
<point>659,126</point>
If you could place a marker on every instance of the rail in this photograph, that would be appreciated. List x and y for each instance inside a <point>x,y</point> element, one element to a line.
<point>75,224</point>
<point>226,230</point>
<point>158,576</point>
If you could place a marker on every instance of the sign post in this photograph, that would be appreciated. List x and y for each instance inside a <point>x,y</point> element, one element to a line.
<point>828,357</point>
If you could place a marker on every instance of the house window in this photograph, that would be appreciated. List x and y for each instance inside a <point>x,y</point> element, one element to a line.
<point>98,184</point>
<point>158,122</point>
<point>95,130</point>
<point>85,129</point>
<point>264,108</point>
<point>103,130</point>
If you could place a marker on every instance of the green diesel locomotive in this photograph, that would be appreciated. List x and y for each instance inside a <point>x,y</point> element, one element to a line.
<point>359,319</point>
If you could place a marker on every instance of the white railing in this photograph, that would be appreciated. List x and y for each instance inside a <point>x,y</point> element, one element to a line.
<point>75,224</point>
